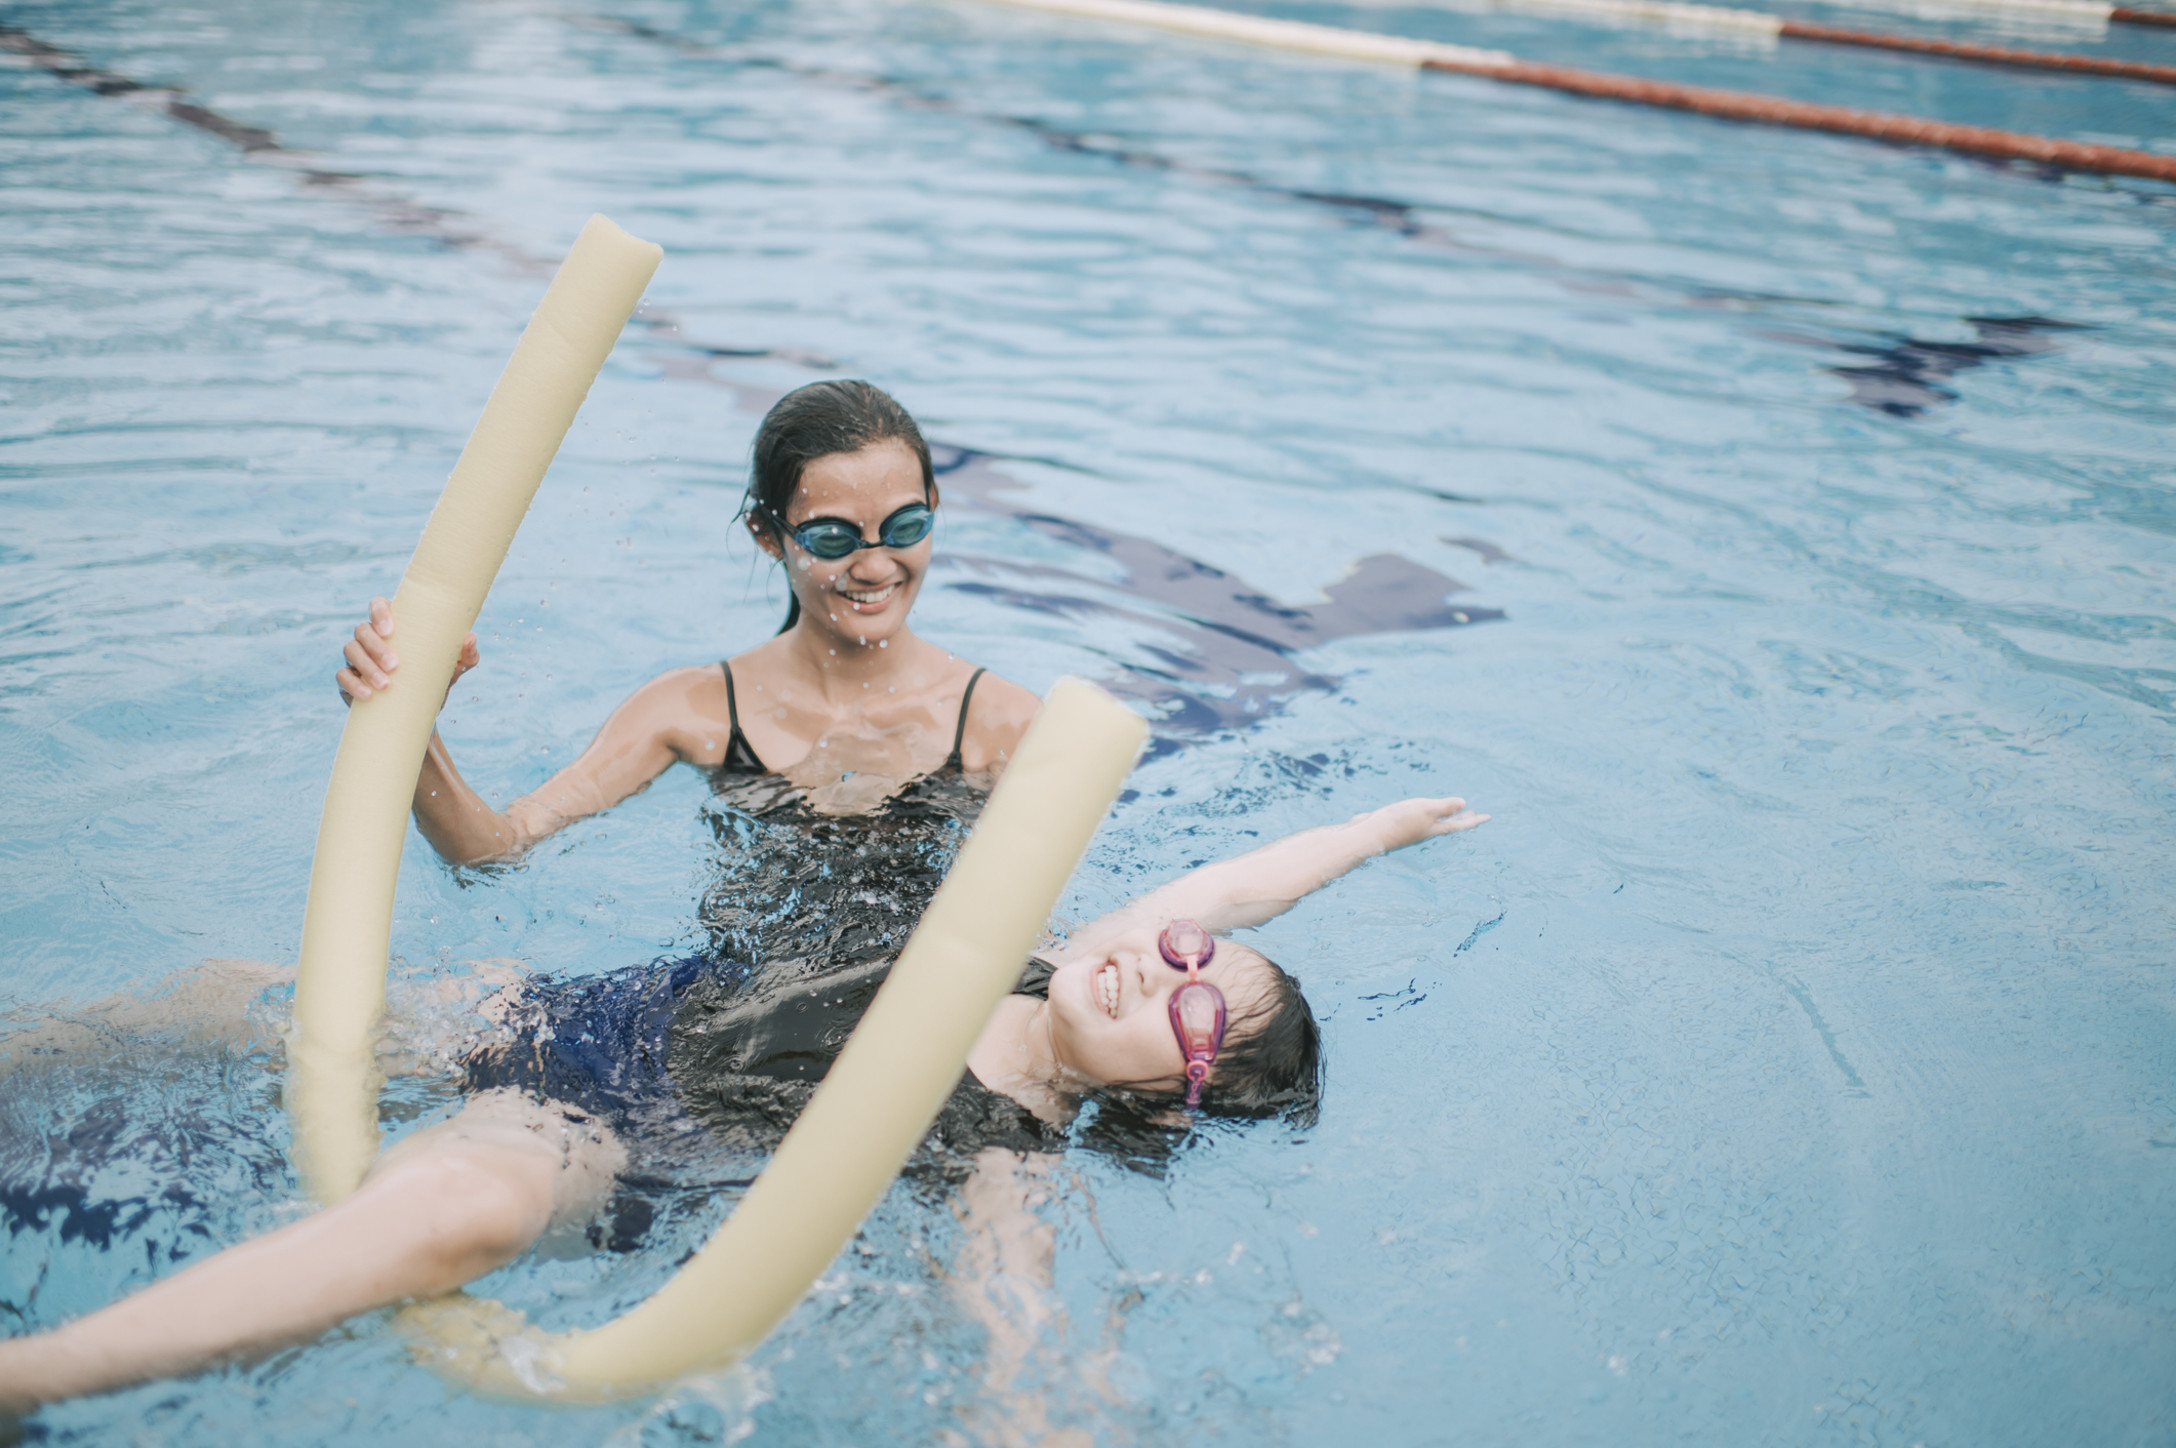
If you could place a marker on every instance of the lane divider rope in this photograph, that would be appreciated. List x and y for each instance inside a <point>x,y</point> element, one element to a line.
<point>1278,34</point>
<point>1499,65</point>
<point>2091,12</point>
<point>1678,15</point>
<point>1768,110</point>
<point>1979,54</point>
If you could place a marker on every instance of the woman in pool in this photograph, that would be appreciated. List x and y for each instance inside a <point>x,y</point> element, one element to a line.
<point>846,702</point>
<point>558,1114</point>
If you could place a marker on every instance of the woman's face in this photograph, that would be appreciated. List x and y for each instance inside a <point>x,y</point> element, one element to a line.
<point>864,597</point>
<point>1110,1021</point>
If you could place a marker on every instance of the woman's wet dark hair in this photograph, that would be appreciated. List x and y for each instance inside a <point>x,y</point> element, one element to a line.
<point>1269,1067</point>
<point>814,422</point>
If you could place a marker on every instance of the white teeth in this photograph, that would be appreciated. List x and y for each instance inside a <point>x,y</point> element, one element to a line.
<point>1107,989</point>
<point>869,595</point>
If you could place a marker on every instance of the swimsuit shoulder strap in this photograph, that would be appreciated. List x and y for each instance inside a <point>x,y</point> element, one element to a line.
<point>959,731</point>
<point>740,755</point>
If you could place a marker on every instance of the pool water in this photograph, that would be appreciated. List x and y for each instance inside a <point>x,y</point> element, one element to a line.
<point>1775,533</point>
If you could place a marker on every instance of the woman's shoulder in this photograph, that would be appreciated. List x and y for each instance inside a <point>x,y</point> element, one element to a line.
<point>998,698</point>
<point>684,709</point>
<point>997,715</point>
<point>691,694</point>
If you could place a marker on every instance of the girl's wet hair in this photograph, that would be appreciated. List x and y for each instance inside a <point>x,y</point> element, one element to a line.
<point>1270,1066</point>
<point>1271,1061</point>
<point>814,422</point>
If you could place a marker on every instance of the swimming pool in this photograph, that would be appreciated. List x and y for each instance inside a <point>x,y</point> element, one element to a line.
<point>1773,532</point>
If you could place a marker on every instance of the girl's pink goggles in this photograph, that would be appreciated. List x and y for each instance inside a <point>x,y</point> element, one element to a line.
<point>1197,1008</point>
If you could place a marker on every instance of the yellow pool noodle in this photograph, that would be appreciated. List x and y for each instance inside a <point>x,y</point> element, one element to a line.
<point>347,926</point>
<point>871,1110</point>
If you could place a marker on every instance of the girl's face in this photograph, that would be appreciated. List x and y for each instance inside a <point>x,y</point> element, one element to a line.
<point>863,598</point>
<point>1110,1020</point>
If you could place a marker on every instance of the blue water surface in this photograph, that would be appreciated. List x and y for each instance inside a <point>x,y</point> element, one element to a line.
<point>1774,532</point>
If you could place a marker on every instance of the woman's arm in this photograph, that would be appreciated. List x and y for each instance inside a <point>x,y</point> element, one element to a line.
<point>1262,884</point>
<point>660,724</point>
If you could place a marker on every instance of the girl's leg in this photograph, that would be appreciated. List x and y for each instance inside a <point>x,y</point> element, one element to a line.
<point>213,1006</point>
<point>205,1007</point>
<point>442,1208</point>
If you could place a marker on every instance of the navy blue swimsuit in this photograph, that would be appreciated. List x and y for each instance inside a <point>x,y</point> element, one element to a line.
<point>685,1058</point>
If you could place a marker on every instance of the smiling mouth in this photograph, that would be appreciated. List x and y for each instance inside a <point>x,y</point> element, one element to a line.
<point>869,600</point>
<point>1106,983</point>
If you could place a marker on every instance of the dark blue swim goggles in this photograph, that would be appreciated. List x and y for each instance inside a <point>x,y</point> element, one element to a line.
<point>834,538</point>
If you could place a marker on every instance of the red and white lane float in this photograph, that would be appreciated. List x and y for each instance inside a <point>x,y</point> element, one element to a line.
<point>1759,26</point>
<point>1731,105</point>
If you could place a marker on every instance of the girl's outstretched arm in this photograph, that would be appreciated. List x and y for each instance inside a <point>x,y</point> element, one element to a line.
<point>1262,884</point>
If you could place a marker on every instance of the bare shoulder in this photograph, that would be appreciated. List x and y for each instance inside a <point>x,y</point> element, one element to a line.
<point>689,687</point>
<point>998,715</point>
<point>684,709</point>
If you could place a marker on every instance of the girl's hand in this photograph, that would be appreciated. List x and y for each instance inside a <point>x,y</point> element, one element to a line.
<point>372,660</point>
<point>1410,821</point>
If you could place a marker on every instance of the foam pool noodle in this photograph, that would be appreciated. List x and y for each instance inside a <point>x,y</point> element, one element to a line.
<point>347,925</point>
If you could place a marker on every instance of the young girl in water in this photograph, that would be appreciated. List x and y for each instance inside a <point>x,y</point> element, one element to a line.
<point>846,702</point>
<point>584,1079</point>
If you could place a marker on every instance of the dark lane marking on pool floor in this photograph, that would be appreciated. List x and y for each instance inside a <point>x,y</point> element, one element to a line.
<point>455,230</point>
<point>1905,374</point>
<point>1225,661</point>
<point>1905,378</point>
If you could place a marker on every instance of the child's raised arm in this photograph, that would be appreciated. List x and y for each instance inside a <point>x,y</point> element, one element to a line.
<point>1262,884</point>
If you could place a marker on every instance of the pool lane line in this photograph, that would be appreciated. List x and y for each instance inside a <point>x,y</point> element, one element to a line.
<point>400,214</point>
<point>1994,55</point>
<point>1746,106</point>
<point>2092,12</point>
<point>173,100</point>
<point>1756,109</point>
<point>397,213</point>
<point>1764,26</point>
<point>1297,35</point>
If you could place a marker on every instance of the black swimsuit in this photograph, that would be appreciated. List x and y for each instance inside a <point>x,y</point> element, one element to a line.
<point>740,755</point>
